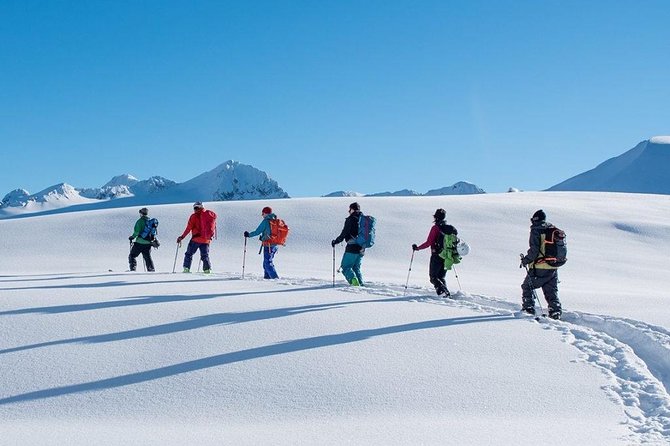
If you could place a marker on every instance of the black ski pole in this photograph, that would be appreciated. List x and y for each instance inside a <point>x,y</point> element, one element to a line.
<point>244,256</point>
<point>174,266</point>
<point>532,288</point>
<point>411,260</point>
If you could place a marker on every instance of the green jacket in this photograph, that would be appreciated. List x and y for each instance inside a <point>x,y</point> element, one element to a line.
<point>139,227</point>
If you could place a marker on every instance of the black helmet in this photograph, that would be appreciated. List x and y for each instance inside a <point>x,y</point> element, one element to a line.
<point>144,211</point>
<point>440,214</point>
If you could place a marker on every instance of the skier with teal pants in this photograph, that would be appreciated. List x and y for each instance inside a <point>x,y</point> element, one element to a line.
<point>353,252</point>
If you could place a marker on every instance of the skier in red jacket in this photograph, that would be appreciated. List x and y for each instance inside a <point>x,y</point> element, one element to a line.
<point>202,225</point>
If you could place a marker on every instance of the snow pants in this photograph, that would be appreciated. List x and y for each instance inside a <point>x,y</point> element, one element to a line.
<point>269,271</point>
<point>547,279</point>
<point>204,254</point>
<point>136,250</point>
<point>437,273</point>
<point>351,266</point>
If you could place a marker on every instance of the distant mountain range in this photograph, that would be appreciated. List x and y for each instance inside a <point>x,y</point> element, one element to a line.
<point>643,169</point>
<point>229,181</point>
<point>460,188</point>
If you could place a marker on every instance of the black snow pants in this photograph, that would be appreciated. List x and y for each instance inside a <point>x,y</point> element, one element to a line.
<point>547,279</point>
<point>437,273</point>
<point>136,250</point>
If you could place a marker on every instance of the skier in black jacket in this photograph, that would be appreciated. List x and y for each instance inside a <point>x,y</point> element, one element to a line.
<point>540,274</point>
<point>353,253</point>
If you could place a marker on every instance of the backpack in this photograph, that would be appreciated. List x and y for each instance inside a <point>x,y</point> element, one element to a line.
<point>450,250</point>
<point>208,224</point>
<point>366,231</point>
<point>555,250</point>
<point>150,229</point>
<point>278,233</point>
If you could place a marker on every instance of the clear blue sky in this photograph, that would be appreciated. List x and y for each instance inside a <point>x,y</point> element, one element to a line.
<point>368,95</point>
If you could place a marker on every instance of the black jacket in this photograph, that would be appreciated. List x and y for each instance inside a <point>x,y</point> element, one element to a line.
<point>536,246</point>
<point>350,232</point>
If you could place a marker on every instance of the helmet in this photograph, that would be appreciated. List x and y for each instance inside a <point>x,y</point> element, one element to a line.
<point>463,249</point>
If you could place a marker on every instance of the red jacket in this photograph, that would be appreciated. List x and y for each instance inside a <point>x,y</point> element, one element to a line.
<point>201,224</point>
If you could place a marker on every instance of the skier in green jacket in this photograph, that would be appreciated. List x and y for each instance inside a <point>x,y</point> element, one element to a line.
<point>139,245</point>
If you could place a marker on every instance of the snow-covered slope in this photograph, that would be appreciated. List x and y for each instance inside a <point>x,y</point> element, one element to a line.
<point>92,356</point>
<point>643,169</point>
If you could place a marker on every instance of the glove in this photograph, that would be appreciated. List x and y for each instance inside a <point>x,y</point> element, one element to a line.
<point>131,238</point>
<point>414,247</point>
<point>333,243</point>
<point>179,239</point>
<point>246,234</point>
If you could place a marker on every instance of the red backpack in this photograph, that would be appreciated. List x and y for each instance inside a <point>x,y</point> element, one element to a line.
<point>278,233</point>
<point>208,224</point>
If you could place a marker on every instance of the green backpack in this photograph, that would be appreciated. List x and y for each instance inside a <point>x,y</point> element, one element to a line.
<point>449,252</point>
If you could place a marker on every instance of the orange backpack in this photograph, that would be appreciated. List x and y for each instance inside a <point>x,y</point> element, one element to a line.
<point>208,224</point>
<point>278,233</point>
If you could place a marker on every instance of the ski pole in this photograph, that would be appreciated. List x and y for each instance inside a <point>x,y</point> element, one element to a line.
<point>333,266</point>
<point>457,279</point>
<point>408,272</point>
<point>174,266</point>
<point>244,256</point>
<point>199,262</point>
<point>145,263</point>
<point>532,289</point>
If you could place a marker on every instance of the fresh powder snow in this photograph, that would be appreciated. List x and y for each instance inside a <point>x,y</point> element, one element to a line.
<point>92,354</point>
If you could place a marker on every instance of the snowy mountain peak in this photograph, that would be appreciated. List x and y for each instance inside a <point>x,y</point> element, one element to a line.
<point>642,169</point>
<point>460,188</point>
<point>343,193</point>
<point>233,181</point>
<point>660,140</point>
<point>16,198</point>
<point>121,180</point>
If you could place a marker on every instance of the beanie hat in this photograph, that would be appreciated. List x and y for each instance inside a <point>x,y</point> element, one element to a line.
<point>440,214</point>
<point>267,210</point>
<point>539,216</point>
<point>144,211</point>
<point>355,206</point>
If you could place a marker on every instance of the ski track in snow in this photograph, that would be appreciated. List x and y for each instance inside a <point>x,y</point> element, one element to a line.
<point>633,355</point>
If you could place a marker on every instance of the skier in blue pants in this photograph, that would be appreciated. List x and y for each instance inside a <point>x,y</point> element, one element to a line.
<point>269,250</point>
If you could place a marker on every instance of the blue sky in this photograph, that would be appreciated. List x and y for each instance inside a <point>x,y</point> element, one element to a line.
<point>368,96</point>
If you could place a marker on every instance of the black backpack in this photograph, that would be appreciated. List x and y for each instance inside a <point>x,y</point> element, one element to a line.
<point>555,247</point>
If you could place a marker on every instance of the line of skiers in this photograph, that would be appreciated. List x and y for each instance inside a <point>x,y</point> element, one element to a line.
<point>541,260</point>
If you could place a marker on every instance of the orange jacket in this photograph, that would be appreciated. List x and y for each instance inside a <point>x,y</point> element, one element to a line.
<point>198,226</point>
